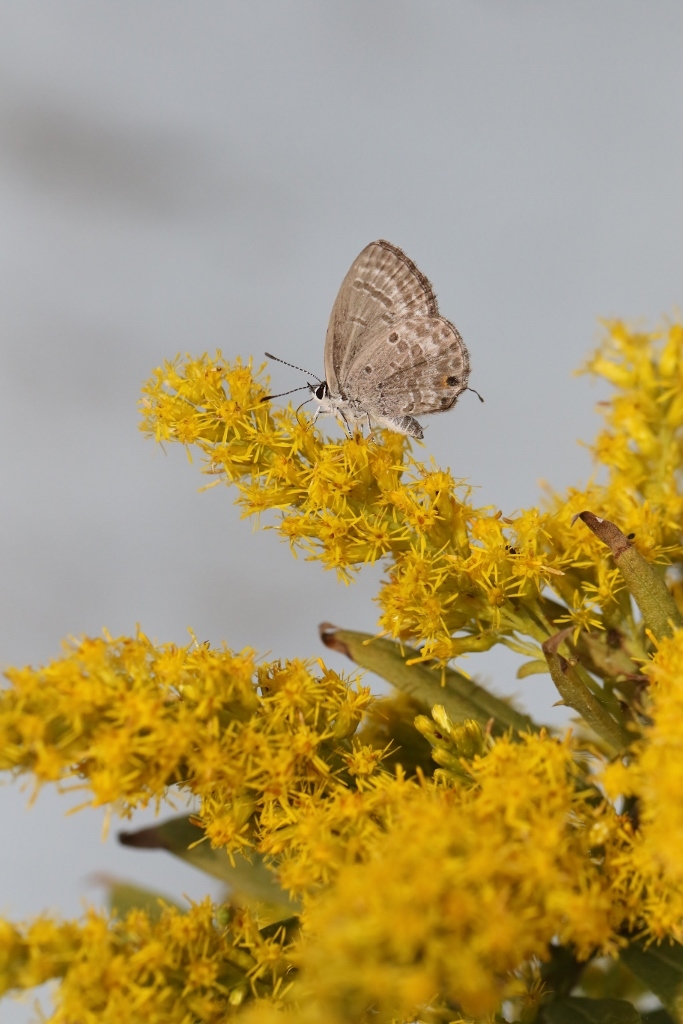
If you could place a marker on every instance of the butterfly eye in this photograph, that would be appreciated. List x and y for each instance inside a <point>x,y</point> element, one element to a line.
<point>320,391</point>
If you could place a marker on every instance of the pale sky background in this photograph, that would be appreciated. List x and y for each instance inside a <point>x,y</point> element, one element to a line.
<point>182,176</point>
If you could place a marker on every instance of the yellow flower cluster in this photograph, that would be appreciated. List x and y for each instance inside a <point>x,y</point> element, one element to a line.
<point>429,891</point>
<point>653,775</point>
<point>268,750</point>
<point>639,453</point>
<point>182,968</point>
<point>130,719</point>
<point>463,886</point>
<point>642,444</point>
<point>452,567</point>
<point>423,891</point>
<point>460,578</point>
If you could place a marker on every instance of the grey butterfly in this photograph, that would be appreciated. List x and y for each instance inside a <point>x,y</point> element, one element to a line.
<point>388,352</point>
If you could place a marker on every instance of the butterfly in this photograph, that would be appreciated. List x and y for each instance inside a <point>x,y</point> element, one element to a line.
<point>389,354</point>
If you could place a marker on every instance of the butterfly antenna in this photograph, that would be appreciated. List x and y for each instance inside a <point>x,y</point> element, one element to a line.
<point>267,398</point>
<point>300,368</point>
<point>476,393</point>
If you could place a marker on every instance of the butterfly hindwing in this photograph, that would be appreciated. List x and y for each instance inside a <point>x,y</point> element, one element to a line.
<point>417,365</point>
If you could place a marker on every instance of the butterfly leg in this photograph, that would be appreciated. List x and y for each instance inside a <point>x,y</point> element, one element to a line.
<point>371,431</point>
<point>347,428</point>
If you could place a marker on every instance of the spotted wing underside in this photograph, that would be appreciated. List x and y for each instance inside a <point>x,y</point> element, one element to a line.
<point>382,287</point>
<point>417,365</point>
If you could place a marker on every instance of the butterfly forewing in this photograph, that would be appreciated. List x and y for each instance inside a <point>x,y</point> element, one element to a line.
<point>417,365</point>
<point>382,287</point>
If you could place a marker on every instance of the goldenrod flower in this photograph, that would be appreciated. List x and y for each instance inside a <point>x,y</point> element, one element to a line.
<point>461,887</point>
<point>652,863</point>
<point>127,720</point>
<point>460,578</point>
<point>183,967</point>
<point>441,856</point>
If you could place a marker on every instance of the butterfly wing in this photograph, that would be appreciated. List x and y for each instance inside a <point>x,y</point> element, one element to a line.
<point>382,287</point>
<point>415,366</point>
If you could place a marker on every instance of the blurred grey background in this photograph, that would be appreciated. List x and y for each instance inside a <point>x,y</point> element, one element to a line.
<point>180,176</point>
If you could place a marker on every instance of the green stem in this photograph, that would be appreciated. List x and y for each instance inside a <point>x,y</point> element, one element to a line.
<point>650,592</point>
<point>575,694</point>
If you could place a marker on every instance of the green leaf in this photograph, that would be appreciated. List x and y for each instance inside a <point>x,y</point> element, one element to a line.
<point>575,1010</point>
<point>461,697</point>
<point>532,668</point>
<point>660,967</point>
<point>250,879</point>
<point>123,897</point>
